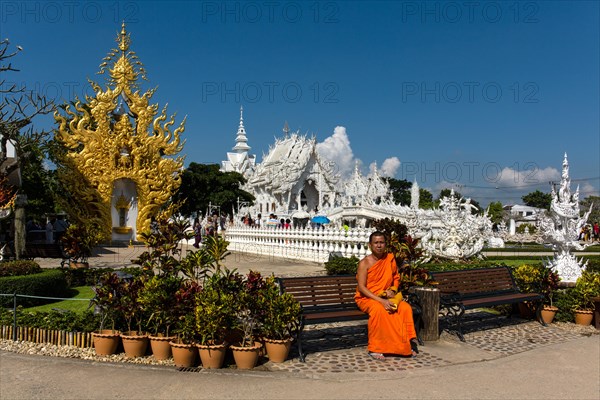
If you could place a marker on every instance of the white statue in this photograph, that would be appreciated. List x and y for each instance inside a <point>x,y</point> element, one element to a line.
<point>462,234</point>
<point>561,229</point>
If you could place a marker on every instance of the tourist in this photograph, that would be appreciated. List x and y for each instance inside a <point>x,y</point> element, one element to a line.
<point>596,231</point>
<point>197,232</point>
<point>60,227</point>
<point>391,328</point>
<point>288,224</point>
<point>258,221</point>
<point>209,228</point>
<point>50,231</point>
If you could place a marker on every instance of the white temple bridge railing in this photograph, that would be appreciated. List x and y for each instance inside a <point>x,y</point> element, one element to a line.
<point>309,244</point>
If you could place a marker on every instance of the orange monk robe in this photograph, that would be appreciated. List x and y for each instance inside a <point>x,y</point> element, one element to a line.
<point>389,333</point>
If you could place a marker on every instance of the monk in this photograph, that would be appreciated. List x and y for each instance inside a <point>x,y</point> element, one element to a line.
<point>391,327</point>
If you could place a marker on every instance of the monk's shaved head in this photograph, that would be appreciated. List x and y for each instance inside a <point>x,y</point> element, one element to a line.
<point>376,234</point>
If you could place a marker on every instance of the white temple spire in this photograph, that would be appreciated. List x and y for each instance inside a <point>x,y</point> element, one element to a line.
<point>239,160</point>
<point>241,141</point>
<point>286,129</point>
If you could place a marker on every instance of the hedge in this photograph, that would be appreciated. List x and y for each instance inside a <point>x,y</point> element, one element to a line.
<point>59,320</point>
<point>49,283</point>
<point>19,267</point>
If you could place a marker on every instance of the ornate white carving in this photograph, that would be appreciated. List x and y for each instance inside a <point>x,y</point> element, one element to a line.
<point>561,229</point>
<point>461,235</point>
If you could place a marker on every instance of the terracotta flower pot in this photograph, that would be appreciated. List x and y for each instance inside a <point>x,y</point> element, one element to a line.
<point>584,317</point>
<point>106,342</point>
<point>184,355</point>
<point>161,348</point>
<point>246,357</point>
<point>278,349</point>
<point>212,356</point>
<point>548,313</point>
<point>134,344</point>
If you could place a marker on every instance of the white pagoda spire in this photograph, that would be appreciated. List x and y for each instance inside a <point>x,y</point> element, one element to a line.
<point>239,160</point>
<point>241,141</point>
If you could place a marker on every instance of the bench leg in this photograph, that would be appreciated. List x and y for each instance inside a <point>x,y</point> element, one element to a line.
<point>454,313</point>
<point>301,354</point>
<point>417,322</point>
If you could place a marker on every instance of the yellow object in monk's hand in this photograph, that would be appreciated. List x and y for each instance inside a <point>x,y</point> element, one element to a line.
<point>394,301</point>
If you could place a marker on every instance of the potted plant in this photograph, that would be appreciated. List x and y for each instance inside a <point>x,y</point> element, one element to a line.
<point>135,341</point>
<point>279,322</point>
<point>184,348</point>
<point>249,310</point>
<point>528,279</point>
<point>586,288</point>
<point>106,302</point>
<point>158,299</point>
<point>215,312</point>
<point>79,241</point>
<point>182,314</point>
<point>548,285</point>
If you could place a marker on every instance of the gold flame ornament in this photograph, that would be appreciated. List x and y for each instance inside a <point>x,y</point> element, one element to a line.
<point>118,134</point>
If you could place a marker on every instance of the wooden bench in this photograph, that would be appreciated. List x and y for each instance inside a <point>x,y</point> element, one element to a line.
<point>475,288</point>
<point>330,299</point>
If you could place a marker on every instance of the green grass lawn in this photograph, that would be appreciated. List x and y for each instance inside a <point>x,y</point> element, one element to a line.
<point>78,306</point>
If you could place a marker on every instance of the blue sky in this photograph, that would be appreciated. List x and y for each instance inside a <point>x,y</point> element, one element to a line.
<point>485,97</point>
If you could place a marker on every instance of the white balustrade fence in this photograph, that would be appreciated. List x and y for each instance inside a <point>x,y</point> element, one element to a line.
<point>308,244</point>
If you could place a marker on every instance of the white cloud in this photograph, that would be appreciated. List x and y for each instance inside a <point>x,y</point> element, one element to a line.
<point>521,179</point>
<point>390,167</point>
<point>587,190</point>
<point>337,148</point>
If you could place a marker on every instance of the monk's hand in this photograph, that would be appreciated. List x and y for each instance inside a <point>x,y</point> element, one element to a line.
<point>387,305</point>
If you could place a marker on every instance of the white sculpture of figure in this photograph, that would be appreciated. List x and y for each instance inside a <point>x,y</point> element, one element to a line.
<point>414,195</point>
<point>561,229</point>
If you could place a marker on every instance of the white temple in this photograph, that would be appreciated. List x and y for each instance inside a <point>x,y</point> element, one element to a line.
<point>294,181</point>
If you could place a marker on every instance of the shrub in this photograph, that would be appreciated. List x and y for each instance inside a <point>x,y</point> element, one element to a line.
<point>593,264</point>
<point>521,228</point>
<point>564,299</point>
<point>342,266</point>
<point>91,276</point>
<point>50,283</point>
<point>452,266</point>
<point>19,267</point>
<point>67,321</point>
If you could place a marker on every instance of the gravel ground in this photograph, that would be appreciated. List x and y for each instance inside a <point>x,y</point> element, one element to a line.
<point>45,349</point>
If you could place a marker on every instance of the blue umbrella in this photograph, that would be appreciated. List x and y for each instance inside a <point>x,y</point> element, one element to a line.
<point>320,219</point>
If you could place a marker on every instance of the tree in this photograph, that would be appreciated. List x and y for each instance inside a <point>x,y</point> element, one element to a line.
<point>40,185</point>
<point>538,199</point>
<point>425,199</point>
<point>585,206</point>
<point>400,189</point>
<point>495,212</point>
<point>17,113</point>
<point>204,184</point>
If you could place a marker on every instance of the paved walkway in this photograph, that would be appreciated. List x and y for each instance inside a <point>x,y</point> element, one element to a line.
<point>501,359</point>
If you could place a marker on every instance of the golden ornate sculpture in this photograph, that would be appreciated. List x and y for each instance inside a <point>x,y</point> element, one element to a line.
<point>117,135</point>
